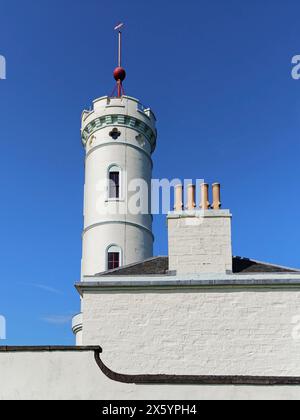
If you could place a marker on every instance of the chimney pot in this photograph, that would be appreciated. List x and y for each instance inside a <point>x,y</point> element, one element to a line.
<point>216,196</point>
<point>178,206</point>
<point>191,196</point>
<point>204,197</point>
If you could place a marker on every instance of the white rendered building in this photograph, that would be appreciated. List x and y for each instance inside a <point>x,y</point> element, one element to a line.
<point>199,310</point>
<point>198,323</point>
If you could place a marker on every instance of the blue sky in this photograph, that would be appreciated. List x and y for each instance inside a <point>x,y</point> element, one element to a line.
<point>218,76</point>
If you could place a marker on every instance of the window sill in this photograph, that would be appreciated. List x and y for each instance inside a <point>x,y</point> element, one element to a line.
<point>114,200</point>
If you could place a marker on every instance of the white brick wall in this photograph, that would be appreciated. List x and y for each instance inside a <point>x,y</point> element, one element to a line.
<point>234,331</point>
<point>200,242</point>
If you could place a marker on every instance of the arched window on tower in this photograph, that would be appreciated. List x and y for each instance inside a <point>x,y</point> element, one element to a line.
<point>114,183</point>
<point>114,257</point>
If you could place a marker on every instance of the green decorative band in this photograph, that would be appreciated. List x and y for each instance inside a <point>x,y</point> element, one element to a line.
<point>110,143</point>
<point>120,222</point>
<point>122,121</point>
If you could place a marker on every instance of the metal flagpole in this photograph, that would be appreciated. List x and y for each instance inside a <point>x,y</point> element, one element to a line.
<point>119,63</point>
<point>120,49</point>
<point>119,73</point>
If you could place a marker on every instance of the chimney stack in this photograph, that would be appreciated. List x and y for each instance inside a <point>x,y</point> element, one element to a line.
<point>199,240</point>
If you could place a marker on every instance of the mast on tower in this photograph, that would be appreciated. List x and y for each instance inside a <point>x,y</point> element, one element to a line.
<point>119,72</point>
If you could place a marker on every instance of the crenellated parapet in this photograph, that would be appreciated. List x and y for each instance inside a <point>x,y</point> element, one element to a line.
<point>124,112</point>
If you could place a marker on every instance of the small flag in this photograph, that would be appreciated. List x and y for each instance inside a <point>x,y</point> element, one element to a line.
<point>119,26</point>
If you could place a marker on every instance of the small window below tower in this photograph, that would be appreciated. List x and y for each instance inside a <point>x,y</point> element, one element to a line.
<point>114,183</point>
<point>113,257</point>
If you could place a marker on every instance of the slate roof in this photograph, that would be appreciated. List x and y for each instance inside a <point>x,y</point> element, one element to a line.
<point>246,265</point>
<point>152,266</point>
<point>160,266</point>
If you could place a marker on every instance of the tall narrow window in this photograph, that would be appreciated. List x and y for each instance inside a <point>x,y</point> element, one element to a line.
<point>114,183</point>
<point>113,257</point>
<point>113,260</point>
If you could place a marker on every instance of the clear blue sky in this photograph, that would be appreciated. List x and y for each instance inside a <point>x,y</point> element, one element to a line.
<point>218,76</point>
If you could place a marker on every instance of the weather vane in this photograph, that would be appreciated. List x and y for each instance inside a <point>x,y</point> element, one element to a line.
<point>119,72</point>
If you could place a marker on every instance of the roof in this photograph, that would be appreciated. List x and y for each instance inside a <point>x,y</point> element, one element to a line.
<point>160,266</point>
<point>246,265</point>
<point>152,266</point>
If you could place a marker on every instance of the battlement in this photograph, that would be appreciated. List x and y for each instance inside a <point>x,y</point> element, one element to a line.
<point>132,106</point>
<point>124,112</point>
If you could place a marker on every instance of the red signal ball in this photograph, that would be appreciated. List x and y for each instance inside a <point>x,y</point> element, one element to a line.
<point>119,74</point>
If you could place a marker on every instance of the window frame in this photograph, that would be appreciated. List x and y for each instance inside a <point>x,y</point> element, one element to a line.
<point>114,169</point>
<point>113,249</point>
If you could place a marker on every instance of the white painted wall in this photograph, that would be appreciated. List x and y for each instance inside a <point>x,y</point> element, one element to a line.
<point>109,222</point>
<point>75,376</point>
<point>77,328</point>
<point>135,242</point>
<point>183,330</point>
<point>200,241</point>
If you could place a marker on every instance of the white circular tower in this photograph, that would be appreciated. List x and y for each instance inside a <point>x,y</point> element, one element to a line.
<point>119,136</point>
